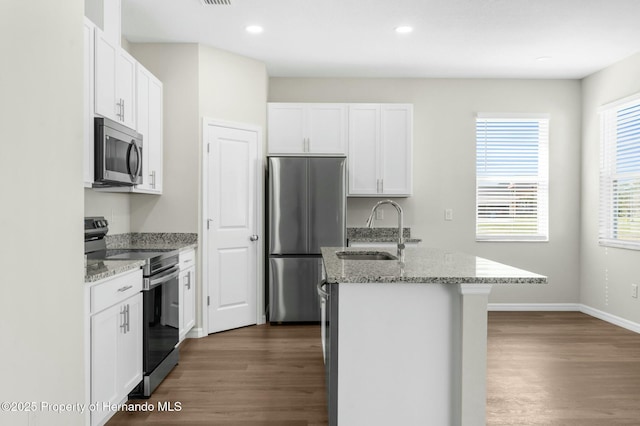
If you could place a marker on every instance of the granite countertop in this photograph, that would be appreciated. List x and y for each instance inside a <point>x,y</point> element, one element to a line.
<point>97,270</point>
<point>379,235</point>
<point>100,269</point>
<point>153,240</point>
<point>424,265</point>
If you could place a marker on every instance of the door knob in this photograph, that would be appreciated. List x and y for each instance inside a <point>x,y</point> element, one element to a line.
<point>254,237</point>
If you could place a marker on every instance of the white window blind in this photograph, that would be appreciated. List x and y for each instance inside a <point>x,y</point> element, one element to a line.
<point>512,178</point>
<point>620,174</point>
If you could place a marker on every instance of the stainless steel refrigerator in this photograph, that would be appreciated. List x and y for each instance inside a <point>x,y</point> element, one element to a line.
<point>306,211</point>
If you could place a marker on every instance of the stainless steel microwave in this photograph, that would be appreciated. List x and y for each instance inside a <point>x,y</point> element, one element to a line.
<point>118,154</point>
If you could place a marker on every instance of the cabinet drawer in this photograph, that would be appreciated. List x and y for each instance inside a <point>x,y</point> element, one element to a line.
<point>187,259</point>
<point>115,290</point>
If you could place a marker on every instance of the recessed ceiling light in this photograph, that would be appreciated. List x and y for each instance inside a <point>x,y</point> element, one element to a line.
<point>543,58</point>
<point>254,29</point>
<point>404,29</point>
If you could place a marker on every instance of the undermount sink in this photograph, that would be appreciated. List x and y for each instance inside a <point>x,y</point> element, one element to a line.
<point>365,255</point>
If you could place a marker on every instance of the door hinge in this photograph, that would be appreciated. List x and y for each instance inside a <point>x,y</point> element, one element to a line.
<point>208,301</point>
<point>208,148</point>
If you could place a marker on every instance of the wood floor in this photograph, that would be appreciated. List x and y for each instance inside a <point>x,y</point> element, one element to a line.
<point>546,368</point>
<point>561,368</point>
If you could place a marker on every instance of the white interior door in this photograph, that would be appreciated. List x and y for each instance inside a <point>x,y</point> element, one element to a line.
<point>232,227</point>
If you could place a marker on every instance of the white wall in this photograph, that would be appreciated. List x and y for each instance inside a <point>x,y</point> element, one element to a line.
<point>41,320</point>
<point>607,273</point>
<point>444,167</point>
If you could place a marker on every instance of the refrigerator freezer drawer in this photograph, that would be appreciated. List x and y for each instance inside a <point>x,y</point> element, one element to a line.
<point>292,289</point>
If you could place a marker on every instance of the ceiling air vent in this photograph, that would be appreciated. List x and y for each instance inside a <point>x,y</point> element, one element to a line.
<point>215,2</point>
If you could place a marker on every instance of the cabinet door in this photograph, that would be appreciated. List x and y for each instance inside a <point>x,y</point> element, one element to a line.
<point>155,136</point>
<point>396,149</point>
<point>326,128</point>
<point>364,142</point>
<point>286,128</point>
<point>149,125</point>
<point>106,56</point>
<point>129,367</point>
<point>88,30</point>
<point>188,302</point>
<point>106,327</point>
<point>125,88</point>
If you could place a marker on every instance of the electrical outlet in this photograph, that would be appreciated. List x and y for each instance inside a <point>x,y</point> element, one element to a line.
<point>634,291</point>
<point>448,214</point>
<point>379,214</point>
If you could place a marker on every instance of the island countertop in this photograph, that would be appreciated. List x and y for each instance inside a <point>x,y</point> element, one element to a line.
<point>423,265</point>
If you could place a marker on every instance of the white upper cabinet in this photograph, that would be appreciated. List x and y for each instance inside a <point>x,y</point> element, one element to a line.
<point>115,72</point>
<point>119,88</point>
<point>314,129</point>
<point>149,125</point>
<point>380,150</point>
<point>88,30</point>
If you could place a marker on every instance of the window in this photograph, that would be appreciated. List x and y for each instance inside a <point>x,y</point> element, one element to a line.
<point>620,174</point>
<point>512,173</point>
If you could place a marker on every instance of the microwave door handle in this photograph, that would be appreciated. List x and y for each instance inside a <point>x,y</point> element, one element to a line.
<point>134,174</point>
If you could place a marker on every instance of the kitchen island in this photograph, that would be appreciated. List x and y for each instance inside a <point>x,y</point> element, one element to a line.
<point>405,339</point>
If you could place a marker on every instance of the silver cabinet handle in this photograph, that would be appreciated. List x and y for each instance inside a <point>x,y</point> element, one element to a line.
<point>188,283</point>
<point>123,312</point>
<point>120,113</point>
<point>254,237</point>
<point>125,288</point>
<point>382,186</point>
<point>128,320</point>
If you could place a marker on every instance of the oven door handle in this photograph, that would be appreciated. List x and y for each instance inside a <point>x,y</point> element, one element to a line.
<point>155,281</point>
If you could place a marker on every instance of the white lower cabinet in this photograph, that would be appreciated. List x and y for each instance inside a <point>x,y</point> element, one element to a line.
<point>187,293</point>
<point>116,343</point>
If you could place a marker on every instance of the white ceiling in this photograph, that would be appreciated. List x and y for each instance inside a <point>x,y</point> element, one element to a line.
<point>356,38</point>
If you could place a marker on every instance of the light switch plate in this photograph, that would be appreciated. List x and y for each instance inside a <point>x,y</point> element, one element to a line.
<point>448,214</point>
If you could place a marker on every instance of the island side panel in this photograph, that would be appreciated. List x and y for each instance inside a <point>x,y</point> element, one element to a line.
<point>396,344</point>
<point>472,356</point>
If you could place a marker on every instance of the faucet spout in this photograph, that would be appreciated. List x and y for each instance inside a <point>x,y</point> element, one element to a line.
<point>400,221</point>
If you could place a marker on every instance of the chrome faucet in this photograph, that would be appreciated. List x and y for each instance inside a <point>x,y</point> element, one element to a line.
<point>400,222</point>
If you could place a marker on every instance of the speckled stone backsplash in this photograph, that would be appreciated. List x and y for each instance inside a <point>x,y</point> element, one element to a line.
<point>353,233</point>
<point>150,239</point>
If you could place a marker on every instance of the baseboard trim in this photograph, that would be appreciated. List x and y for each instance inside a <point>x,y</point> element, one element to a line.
<point>578,307</point>
<point>534,307</point>
<point>613,319</point>
<point>196,333</point>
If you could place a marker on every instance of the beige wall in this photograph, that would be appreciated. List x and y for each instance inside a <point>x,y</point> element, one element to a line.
<point>607,273</point>
<point>444,167</point>
<point>115,207</point>
<point>42,315</point>
<point>198,81</point>
<point>176,65</point>
<point>232,87</point>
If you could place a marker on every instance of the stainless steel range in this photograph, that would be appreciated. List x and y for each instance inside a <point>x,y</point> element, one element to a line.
<point>160,293</point>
